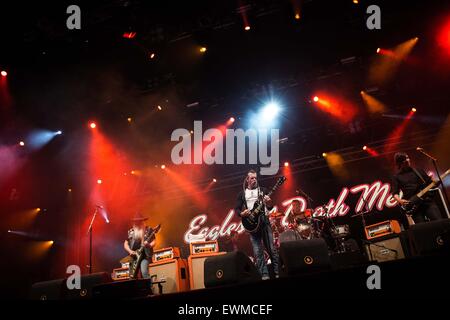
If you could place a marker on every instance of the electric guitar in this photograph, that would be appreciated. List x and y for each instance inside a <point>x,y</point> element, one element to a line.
<point>415,201</point>
<point>252,221</point>
<point>136,260</point>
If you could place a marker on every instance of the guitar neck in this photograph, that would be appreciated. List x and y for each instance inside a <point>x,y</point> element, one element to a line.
<point>433,184</point>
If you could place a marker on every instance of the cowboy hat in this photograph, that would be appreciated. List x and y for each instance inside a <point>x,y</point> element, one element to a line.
<point>139,217</point>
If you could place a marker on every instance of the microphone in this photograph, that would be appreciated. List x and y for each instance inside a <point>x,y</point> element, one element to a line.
<point>426,154</point>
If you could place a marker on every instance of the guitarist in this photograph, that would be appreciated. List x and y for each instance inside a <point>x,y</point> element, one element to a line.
<point>263,237</point>
<point>134,241</point>
<point>410,181</point>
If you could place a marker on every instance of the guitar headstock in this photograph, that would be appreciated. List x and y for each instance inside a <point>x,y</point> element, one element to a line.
<point>155,230</point>
<point>280,181</point>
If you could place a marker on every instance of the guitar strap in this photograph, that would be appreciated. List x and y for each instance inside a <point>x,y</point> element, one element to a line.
<point>419,175</point>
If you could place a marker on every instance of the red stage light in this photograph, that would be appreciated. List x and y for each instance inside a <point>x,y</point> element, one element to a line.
<point>231,120</point>
<point>21,143</point>
<point>286,164</point>
<point>378,50</point>
<point>163,167</point>
<point>4,73</point>
<point>129,35</point>
<point>99,181</point>
<point>365,148</point>
<point>316,98</point>
<point>413,109</point>
<point>92,125</point>
<point>297,16</point>
<point>247,28</point>
<point>214,180</point>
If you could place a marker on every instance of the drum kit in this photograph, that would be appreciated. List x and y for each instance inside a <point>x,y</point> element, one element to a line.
<point>306,227</point>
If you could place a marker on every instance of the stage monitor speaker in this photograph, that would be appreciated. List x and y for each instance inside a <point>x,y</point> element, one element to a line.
<point>304,256</point>
<point>48,290</point>
<point>385,250</point>
<point>88,282</point>
<point>429,237</point>
<point>173,272</point>
<point>229,268</point>
<point>126,289</point>
<point>197,269</point>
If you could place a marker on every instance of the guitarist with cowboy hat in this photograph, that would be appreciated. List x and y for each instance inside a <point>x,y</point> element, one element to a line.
<point>136,239</point>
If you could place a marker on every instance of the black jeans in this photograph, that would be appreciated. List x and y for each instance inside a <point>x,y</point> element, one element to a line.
<point>429,210</point>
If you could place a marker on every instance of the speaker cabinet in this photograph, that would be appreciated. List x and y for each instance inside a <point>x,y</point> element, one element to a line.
<point>429,237</point>
<point>230,268</point>
<point>173,271</point>
<point>48,290</point>
<point>304,256</point>
<point>385,250</point>
<point>197,269</point>
<point>57,289</point>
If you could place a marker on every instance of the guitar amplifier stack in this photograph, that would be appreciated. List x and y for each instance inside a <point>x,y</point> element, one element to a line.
<point>169,268</point>
<point>386,241</point>
<point>200,251</point>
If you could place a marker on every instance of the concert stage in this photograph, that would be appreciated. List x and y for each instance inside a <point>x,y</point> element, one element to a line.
<point>408,278</point>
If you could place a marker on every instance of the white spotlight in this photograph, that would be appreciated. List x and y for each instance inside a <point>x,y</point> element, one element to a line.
<point>58,132</point>
<point>270,111</point>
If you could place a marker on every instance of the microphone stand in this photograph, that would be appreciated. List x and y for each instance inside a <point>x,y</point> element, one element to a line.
<point>308,198</point>
<point>363,220</point>
<point>90,239</point>
<point>434,161</point>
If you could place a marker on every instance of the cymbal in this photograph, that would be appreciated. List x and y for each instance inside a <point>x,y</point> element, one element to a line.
<point>276,214</point>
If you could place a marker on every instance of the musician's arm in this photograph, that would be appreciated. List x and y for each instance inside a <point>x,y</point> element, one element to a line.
<point>239,205</point>
<point>396,191</point>
<point>127,248</point>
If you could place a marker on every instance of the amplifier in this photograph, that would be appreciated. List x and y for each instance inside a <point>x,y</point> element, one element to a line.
<point>121,273</point>
<point>196,265</point>
<point>383,228</point>
<point>172,273</point>
<point>165,254</point>
<point>203,247</point>
<point>385,250</point>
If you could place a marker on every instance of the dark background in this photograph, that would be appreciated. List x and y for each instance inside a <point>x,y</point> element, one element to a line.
<point>60,79</point>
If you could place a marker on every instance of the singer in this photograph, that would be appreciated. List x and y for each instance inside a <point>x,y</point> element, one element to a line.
<point>410,181</point>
